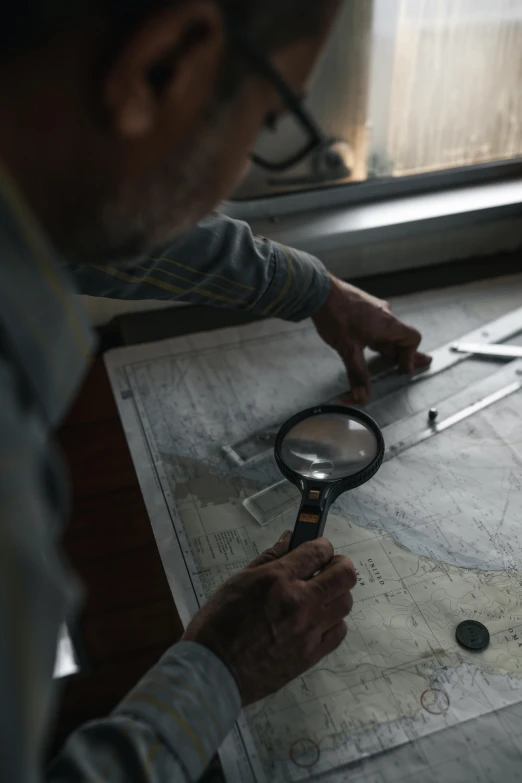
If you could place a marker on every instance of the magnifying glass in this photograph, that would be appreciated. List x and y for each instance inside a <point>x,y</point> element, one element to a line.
<point>326,451</point>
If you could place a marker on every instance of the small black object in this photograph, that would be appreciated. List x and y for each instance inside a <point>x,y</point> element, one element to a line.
<point>472,635</point>
<point>432,415</point>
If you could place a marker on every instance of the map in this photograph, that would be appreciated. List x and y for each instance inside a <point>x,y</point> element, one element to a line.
<point>436,538</point>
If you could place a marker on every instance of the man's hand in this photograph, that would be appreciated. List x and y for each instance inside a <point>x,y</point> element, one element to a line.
<point>275,620</point>
<point>351,321</point>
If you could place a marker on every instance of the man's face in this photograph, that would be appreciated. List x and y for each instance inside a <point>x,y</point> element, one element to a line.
<point>183,152</point>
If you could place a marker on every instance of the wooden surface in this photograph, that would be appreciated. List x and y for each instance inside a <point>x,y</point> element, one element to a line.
<point>129,618</point>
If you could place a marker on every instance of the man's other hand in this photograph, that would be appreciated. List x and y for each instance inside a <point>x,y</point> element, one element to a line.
<point>278,617</point>
<point>352,320</point>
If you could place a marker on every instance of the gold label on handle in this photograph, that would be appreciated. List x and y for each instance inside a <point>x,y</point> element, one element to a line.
<point>313,518</point>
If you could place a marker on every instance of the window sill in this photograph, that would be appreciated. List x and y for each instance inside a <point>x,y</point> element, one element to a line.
<point>428,228</point>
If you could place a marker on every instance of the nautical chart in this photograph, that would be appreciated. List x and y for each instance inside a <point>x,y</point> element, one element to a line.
<point>436,538</point>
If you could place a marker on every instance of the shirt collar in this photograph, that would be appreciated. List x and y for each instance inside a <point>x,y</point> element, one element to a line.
<point>44,322</point>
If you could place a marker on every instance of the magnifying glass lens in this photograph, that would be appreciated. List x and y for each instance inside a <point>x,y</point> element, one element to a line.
<point>326,451</point>
<point>329,447</point>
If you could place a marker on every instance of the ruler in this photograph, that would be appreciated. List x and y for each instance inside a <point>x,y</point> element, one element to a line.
<point>261,443</point>
<point>273,502</point>
<point>407,433</point>
<point>493,351</point>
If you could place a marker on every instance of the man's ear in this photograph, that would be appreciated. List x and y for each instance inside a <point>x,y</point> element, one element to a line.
<point>167,70</point>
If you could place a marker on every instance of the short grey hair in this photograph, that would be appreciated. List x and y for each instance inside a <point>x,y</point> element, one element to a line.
<point>270,23</point>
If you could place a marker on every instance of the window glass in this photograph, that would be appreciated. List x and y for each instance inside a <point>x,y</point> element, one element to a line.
<point>414,86</point>
<point>453,81</point>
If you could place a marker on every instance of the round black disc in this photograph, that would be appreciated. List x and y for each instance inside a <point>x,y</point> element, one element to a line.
<point>472,635</point>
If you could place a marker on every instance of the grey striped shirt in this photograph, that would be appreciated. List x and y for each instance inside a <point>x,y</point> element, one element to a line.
<point>170,726</point>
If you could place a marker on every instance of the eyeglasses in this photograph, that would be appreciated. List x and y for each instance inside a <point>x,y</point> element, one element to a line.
<point>318,141</point>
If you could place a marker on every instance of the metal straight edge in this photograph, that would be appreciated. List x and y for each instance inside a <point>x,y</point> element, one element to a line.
<point>407,433</point>
<point>261,443</point>
<point>445,357</point>
<point>493,351</point>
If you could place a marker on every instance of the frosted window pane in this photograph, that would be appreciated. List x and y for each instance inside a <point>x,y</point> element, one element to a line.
<point>456,73</point>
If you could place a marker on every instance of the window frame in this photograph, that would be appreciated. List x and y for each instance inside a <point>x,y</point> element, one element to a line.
<point>374,190</point>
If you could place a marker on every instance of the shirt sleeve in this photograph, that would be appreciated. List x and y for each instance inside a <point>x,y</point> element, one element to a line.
<point>169,727</point>
<point>221,264</point>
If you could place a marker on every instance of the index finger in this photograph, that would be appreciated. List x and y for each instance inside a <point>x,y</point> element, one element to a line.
<point>402,341</point>
<point>338,578</point>
<point>275,552</point>
<point>407,345</point>
<point>308,559</point>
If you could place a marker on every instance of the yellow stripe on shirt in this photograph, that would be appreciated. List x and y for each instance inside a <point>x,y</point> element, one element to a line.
<point>192,283</point>
<point>203,274</point>
<point>287,285</point>
<point>119,273</point>
<point>292,305</point>
<point>152,752</point>
<point>167,710</point>
<point>177,681</point>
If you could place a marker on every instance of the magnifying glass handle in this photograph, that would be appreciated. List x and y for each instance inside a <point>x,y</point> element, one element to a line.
<point>311,521</point>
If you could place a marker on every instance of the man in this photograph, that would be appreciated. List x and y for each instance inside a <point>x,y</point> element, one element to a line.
<point>122,125</point>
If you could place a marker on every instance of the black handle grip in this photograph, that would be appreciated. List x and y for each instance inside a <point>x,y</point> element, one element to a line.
<point>311,519</point>
<point>306,531</point>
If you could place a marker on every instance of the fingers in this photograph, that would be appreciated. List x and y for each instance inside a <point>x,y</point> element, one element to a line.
<point>335,612</point>
<point>402,342</point>
<point>410,360</point>
<point>331,641</point>
<point>308,559</point>
<point>422,360</point>
<point>333,638</point>
<point>275,552</point>
<point>337,579</point>
<point>406,359</point>
<point>358,373</point>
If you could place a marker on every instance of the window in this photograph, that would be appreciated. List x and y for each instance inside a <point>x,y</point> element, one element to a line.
<point>414,86</point>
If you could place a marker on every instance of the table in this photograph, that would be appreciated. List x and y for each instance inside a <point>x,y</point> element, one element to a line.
<point>129,618</point>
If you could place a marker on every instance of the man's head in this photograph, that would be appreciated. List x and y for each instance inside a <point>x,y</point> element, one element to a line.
<point>124,123</point>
